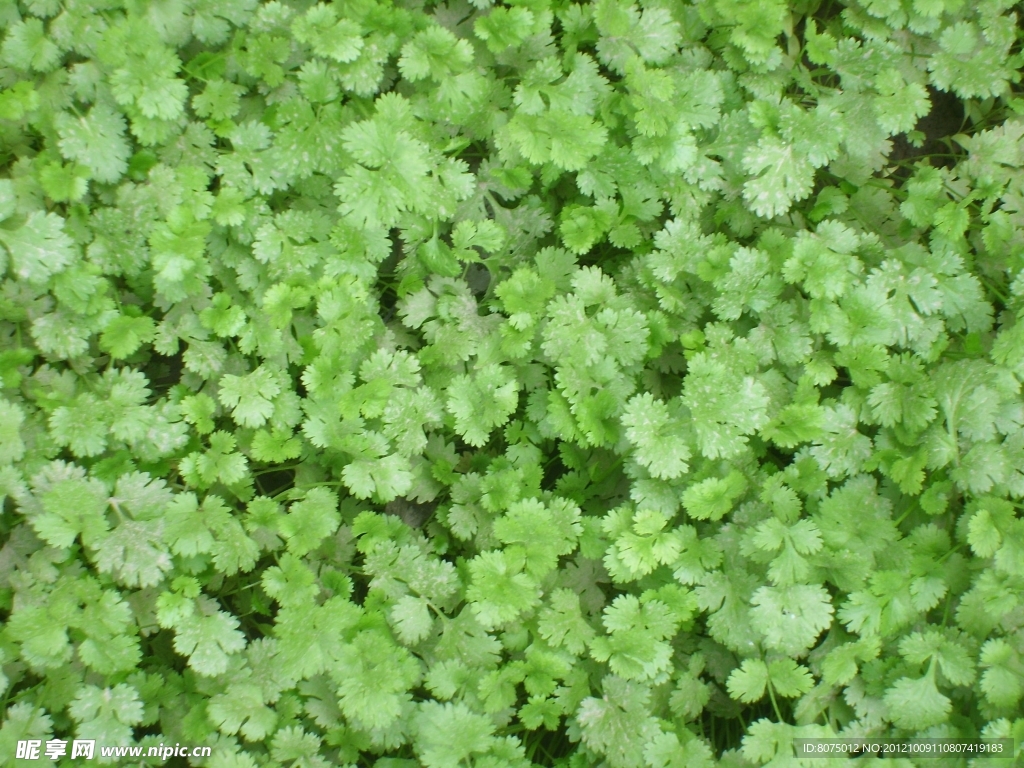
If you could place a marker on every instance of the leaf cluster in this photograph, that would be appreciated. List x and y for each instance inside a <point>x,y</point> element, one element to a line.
<point>542,383</point>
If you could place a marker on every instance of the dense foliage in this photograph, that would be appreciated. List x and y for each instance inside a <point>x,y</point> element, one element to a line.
<point>389,384</point>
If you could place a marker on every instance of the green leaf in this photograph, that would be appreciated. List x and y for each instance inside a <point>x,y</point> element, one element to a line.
<point>749,681</point>
<point>219,100</point>
<point>618,724</point>
<point>310,521</point>
<point>561,623</point>
<point>250,397</point>
<point>504,28</point>
<point>655,428</point>
<point>790,679</point>
<point>841,664</point>
<point>825,262</point>
<point>292,745</point>
<point>290,582</point>
<point>222,317</point>
<point>544,532</point>
<point>240,709</point>
<point>411,618</point>
<point>724,410</point>
<point>584,226</point>
<point>983,535</point>
<point>666,751</point>
<point>954,661</point>
<point>436,53</point>
<point>149,84</point>
<point>499,590</point>
<point>208,640</point>
<point>636,647</point>
<point>482,402</point>
<point>22,722</point>
<point>713,498</point>
<point>276,446</point>
<point>791,617</point>
<point>373,676</point>
<point>12,447</point>
<point>95,140</point>
<point>199,410</point>
<point>915,704</point>
<point>38,248</point>
<point>646,546</point>
<point>27,46</point>
<point>72,507</point>
<point>221,462</point>
<point>899,104</point>
<point>447,734</point>
<point>64,182</point>
<point>782,176</point>
<point>124,335</point>
<point>386,478</point>
<point>1002,680</point>
<point>44,641</point>
<point>321,29</point>
<point>106,714</point>
<point>209,529</point>
<point>135,552</point>
<point>567,140</point>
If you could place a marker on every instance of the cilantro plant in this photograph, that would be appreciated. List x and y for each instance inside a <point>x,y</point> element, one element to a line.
<point>622,384</point>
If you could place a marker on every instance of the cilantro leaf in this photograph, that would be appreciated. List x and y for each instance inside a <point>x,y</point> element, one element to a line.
<point>38,248</point>
<point>97,141</point>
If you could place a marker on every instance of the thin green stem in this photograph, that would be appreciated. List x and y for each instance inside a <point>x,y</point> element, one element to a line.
<point>117,509</point>
<point>903,517</point>
<point>775,704</point>
<point>307,486</point>
<point>282,468</point>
